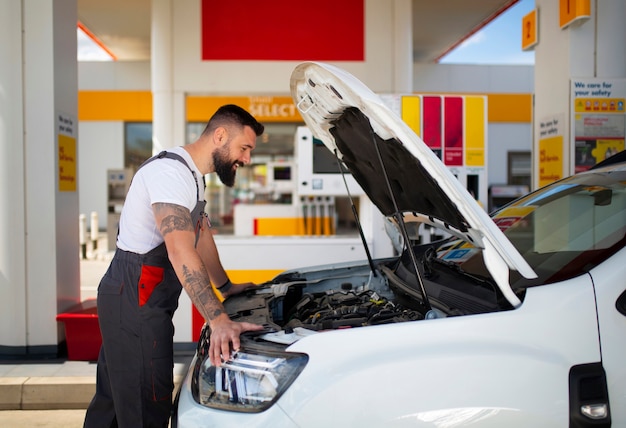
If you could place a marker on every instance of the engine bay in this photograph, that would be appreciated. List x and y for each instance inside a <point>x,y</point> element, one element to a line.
<point>352,295</point>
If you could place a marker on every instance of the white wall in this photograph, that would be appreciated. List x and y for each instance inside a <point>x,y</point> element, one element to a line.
<point>191,74</point>
<point>611,62</point>
<point>118,75</point>
<point>473,78</point>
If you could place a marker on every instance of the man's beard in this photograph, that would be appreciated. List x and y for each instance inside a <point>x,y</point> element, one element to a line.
<point>224,168</point>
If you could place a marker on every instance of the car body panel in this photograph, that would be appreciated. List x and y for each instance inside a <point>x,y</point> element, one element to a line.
<point>532,347</point>
<point>492,356</point>
<point>609,285</point>
<point>339,109</point>
<point>426,373</point>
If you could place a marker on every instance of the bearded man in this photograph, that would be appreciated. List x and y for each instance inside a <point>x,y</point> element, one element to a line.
<point>164,245</point>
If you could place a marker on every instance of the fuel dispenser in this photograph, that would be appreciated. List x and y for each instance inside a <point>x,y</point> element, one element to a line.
<point>318,172</point>
<point>455,129</point>
<point>118,182</point>
<point>321,186</point>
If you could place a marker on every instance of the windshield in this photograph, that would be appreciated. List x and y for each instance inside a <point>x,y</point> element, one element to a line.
<point>562,230</point>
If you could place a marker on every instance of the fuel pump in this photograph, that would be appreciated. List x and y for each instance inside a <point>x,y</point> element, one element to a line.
<point>322,193</point>
<point>455,129</point>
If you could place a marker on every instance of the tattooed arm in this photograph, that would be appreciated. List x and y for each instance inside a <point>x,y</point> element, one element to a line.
<point>174,223</point>
<point>210,257</point>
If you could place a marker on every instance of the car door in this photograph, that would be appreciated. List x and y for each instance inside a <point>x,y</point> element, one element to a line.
<point>610,288</point>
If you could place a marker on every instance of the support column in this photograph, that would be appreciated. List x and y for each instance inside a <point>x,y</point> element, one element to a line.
<point>403,47</point>
<point>39,245</point>
<point>168,120</point>
<point>162,75</point>
<point>589,49</point>
<point>12,221</point>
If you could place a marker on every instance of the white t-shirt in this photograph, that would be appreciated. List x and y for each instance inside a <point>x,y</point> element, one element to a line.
<point>162,180</point>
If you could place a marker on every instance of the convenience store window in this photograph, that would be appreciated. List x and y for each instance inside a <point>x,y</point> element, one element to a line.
<point>137,144</point>
<point>273,149</point>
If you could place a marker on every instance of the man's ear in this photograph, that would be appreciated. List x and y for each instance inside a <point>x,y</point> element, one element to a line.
<point>220,136</point>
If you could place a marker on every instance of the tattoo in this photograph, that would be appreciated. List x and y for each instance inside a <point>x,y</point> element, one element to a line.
<point>199,288</point>
<point>175,218</point>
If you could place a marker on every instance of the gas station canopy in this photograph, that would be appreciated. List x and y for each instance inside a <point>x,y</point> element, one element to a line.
<point>438,26</point>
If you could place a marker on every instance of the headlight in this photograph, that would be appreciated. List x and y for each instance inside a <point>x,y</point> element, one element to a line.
<point>250,382</point>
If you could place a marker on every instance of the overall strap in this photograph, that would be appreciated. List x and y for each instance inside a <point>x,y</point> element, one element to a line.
<point>197,214</point>
<point>170,155</point>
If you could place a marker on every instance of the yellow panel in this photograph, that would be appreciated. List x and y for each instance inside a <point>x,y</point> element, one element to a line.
<point>313,226</point>
<point>529,30</point>
<point>573,10</point>
<point>509,107</point>
<point>67,163</point>
<point>550,160</point>
<point>475,124</point>
<point>475,157</point>
<point>276,226</point>
<point>263,108</point>
<point>115,105</point>
<point>411,112</point>
<point>137,106</point>
<point>200,109</point>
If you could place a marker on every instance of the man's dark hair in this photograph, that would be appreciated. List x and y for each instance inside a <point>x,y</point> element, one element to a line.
<point>231,114</point>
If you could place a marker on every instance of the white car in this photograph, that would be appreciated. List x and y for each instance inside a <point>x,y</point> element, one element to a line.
<point>514,320</point>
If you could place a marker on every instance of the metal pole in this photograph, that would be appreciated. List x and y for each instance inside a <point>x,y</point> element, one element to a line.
<point>94,230</point>
<point>82,235</point>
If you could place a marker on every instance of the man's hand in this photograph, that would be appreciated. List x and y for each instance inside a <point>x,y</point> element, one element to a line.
<point>236,289</point>
<point>225,337</point>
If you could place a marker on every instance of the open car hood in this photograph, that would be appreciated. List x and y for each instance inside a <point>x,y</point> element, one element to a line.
<point>374,143</point>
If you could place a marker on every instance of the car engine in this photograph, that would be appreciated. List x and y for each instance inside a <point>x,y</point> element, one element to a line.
<point>353,295</point>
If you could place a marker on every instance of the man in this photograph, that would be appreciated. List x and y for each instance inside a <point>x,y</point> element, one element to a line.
<point>164,242</point>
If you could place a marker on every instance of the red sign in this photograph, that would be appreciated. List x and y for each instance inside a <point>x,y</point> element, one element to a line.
<point>317,30</point>
<point>453,131</point>
<point>432,123</point>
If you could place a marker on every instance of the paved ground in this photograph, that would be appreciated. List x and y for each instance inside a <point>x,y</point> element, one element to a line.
<point>33,391</point>
<point>42,418</point>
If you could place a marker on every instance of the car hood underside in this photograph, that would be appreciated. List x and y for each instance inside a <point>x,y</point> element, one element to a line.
<point>395,168</point>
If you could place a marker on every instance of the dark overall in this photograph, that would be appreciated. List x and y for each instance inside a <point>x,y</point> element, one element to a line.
<point>137,298</point>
